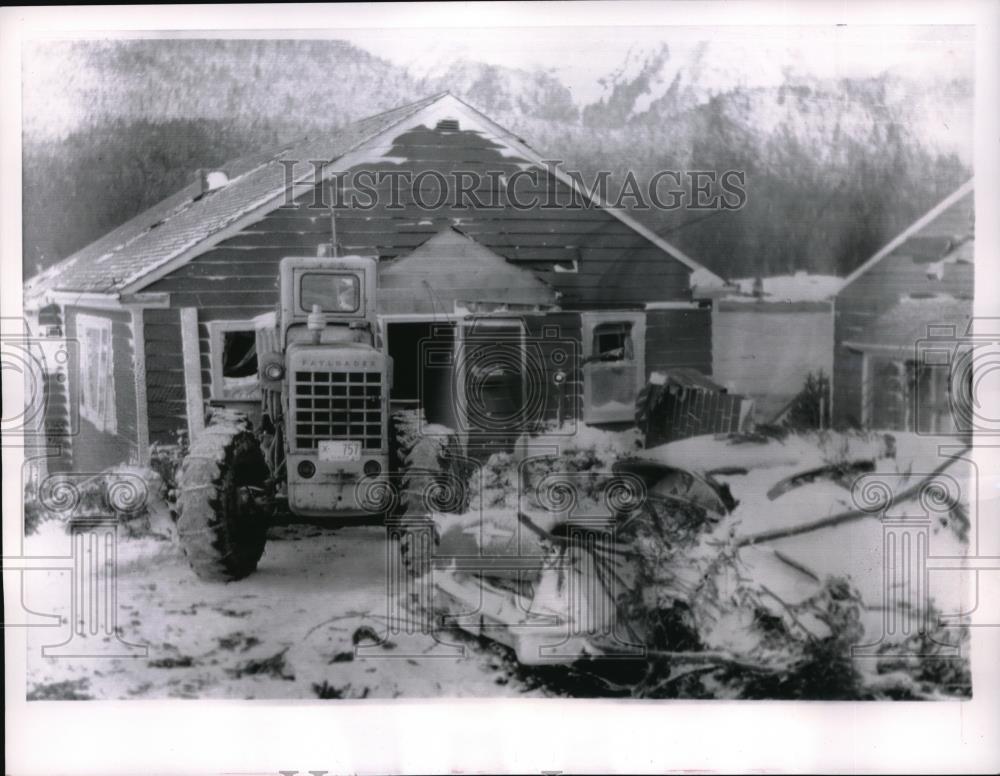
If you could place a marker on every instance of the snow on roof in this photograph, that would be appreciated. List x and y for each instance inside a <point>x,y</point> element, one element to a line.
<point>800,287</point>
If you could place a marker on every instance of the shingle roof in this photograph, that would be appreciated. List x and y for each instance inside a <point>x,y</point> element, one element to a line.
<point>183,220</point>
<point>907,322</point>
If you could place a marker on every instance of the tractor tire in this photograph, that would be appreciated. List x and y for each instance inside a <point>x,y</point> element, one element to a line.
<point>221,527</point>
<point>431,479</point>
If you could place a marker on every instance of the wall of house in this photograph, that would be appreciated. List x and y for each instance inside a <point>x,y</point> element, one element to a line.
<point>765,350</point>
<point>679,338</point>
<point>94,449</point>
<point>868,296</point>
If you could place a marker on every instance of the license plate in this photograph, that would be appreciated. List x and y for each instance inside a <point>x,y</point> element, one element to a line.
<point>339,450</point>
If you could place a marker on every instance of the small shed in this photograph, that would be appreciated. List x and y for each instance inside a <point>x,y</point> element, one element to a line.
<point>910,300</point>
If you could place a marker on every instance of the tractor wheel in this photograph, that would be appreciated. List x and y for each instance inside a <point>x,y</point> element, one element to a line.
<point>431,480</point>
<point>221,526</point>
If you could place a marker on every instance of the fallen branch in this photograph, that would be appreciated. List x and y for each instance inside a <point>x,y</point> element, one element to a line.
<point>789,611</point>
<point>843,517</point>
<point>722,659</point>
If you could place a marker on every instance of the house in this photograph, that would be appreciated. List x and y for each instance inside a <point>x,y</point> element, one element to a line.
<point>919,286</point>
<point>167,308</point>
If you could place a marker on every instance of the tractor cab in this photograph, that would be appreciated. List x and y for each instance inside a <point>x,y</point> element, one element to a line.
<point>331,296</point>
<point>335,381</point>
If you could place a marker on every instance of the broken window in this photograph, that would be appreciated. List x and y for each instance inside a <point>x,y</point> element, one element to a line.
<point>613,342</point>
<point>234,360</point>
<point>239,354</point>
<point>97,384</point>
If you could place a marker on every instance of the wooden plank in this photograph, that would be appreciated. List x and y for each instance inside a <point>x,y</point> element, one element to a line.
<point>192,371</point>
<point>163,393</point>
<point>259,300</point>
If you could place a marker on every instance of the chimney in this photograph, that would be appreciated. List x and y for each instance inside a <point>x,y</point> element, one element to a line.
<point>211,180</point>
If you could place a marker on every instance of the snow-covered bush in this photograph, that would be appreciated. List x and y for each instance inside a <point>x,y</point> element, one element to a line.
<point>581,460</point>
<point>134,496</point>
<point>166,459</point>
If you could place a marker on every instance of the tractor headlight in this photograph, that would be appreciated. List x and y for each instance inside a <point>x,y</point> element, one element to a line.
<point>274,371</point>
<point>372,468</point>
<point>306,469</point>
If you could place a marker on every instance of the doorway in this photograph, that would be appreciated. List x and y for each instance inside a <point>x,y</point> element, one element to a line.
<point>423,367</point>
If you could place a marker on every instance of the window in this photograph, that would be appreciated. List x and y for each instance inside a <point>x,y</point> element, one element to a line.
<point>338,293</point>
<point>233,347</point>
<point>906,395</point>
<point>613,342</point>
<point>97,384</point>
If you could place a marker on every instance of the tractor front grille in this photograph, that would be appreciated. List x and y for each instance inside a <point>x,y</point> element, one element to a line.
<point>338,405</point>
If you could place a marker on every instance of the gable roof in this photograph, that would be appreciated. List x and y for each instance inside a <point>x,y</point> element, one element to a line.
<point>451,267</point>
<point>936,233</point>
<point>184,225</point>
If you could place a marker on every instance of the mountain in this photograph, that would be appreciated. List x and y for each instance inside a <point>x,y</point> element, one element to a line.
<point>833,165</point>
<point>506,91</point>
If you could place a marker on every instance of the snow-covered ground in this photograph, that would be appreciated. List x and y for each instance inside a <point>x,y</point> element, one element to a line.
<point>288,631</point>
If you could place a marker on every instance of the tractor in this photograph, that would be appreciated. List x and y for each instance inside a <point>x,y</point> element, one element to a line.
<point>323,443</point>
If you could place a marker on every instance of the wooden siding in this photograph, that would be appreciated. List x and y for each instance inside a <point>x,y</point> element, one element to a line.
<point>164,375</point>
<point>862,301</point>
<point>94,450</point>
<point>679,338</point>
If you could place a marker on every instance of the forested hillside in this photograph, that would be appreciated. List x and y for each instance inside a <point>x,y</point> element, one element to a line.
<point>833,167</point>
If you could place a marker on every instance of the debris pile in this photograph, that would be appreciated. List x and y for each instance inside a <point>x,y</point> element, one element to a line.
<point>724,576</point>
